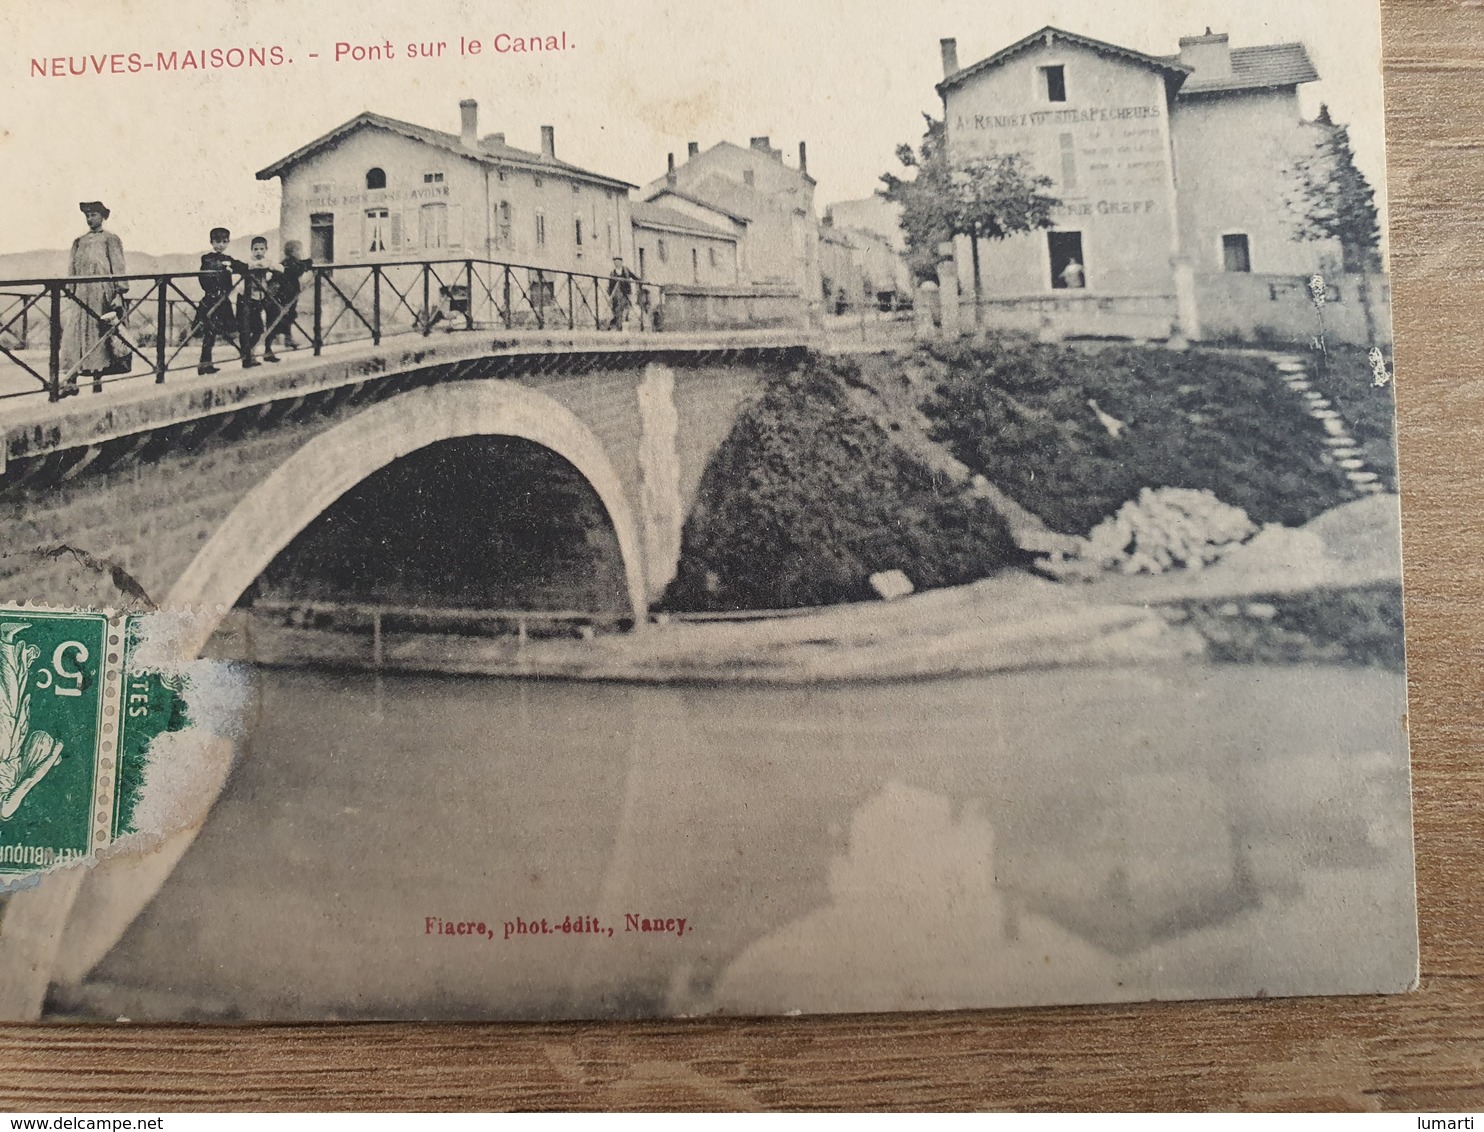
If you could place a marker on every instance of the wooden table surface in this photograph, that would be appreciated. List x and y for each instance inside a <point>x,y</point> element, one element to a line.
<point>1422,1051</point>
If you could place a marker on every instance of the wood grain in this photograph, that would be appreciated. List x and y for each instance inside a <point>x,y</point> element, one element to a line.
<point>1422,1051</point>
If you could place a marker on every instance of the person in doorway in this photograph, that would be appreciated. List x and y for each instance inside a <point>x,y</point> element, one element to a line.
<point>92,342</point>
<point>1073,276</point>
<point>620,293</point>
<point>284,303</point>
<point>214,315</point>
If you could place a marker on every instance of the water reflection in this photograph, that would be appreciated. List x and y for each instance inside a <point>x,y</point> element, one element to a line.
<point>1049,836</point>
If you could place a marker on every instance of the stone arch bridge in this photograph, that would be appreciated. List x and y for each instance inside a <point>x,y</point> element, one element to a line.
<point>180,494</point>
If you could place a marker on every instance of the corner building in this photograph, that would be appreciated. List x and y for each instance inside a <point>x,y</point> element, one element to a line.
<point>1172,174</point>
<point>377,189</point>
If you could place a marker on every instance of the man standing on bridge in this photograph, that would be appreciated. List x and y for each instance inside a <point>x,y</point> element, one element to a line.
<point>620,293</point>
<point>91,341</point>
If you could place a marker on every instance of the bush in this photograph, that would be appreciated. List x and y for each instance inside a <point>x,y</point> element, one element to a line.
<point>807,498</point>
<point>1026,416</point>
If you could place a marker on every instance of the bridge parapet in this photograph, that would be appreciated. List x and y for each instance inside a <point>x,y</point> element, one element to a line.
<point>41,440</point>
<point>60,333</point>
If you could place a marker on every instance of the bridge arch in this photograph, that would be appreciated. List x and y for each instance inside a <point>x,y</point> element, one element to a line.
<point>308,482</point>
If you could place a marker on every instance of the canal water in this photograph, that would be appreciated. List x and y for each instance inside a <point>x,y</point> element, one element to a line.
<point>1062,835</point>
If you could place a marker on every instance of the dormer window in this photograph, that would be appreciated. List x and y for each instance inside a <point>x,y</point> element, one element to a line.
<point>375,178</point>
<point>1055,83</point>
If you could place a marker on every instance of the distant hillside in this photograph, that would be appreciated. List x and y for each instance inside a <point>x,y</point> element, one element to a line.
<point>48,264</point>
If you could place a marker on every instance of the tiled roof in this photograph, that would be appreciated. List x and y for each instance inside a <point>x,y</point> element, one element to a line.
<point>1171,68</point>
<point>730,198</point>
<point>682,194</point>
<point>487,150</point>
<point>1257,68</point>
<point>651,215</point>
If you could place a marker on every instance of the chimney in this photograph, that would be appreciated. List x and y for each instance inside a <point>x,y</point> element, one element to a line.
<point>803,159</point>
<point>1209,55</point>
<point>949,48</point>
<point>762,144</point>
<point>493,140</point>
<point>691,149</point>
<point>548,141</point>
<point>670,172</point>
<point>469,123</point>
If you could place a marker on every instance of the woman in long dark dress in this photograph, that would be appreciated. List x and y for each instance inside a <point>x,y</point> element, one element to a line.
<point>90,342</point>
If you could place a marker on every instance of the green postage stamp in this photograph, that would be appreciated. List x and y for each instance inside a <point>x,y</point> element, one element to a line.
<point>77,717</point>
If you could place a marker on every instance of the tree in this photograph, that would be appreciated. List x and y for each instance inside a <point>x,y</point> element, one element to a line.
<point>986,198</point>
<point>1333,200</point>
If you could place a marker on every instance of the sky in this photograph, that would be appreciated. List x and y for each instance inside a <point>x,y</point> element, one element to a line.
<point>173,154</point>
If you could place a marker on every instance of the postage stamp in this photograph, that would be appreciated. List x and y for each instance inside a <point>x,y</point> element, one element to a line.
<point>76,721</point>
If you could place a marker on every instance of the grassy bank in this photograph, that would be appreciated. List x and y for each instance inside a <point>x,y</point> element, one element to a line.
<point>807,498</point>
<point>842,469</point>
<point>1026,416</point>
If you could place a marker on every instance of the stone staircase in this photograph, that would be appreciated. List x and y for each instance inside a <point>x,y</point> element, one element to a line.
<point>1344,450</point>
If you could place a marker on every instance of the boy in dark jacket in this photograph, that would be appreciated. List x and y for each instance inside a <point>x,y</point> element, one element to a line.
<point>214,315</point>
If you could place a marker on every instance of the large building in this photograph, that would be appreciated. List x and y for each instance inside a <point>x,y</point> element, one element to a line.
<point>752,193</point>
<point>379,189</point>
<point>1173,175</point>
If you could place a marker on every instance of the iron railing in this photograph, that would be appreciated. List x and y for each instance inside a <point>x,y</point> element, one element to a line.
<point>58,334</point>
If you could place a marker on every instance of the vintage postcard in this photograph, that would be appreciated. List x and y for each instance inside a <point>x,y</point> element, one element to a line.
<point>576,511</point>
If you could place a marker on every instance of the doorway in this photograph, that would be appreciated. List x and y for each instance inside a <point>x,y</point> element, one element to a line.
<point>322,237</point>
<point>1068,268</point>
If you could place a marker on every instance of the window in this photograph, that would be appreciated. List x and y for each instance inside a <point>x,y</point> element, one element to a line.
<point>641,263</point>
<point>433,220</point>
<point>432,178</point>
<point>540,229</point>
<point>321,189</point>
<point>576,188</point>
<point>539,181</point>
<point>1235,255</point>
<point>695,265</point>
<point>1068,270</point>
<point>500,174</point>
<point>1068,162</point>
<point>375,178</point>
<point>504,223</point>
<point>1055,79</point>
<point>378,229</point>
<point>577,231</point>
<point>747,176</point>
<point>661,251</point>
<point>715,259</point>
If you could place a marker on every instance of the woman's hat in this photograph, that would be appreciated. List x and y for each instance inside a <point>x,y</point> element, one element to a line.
<point>93,206</point>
